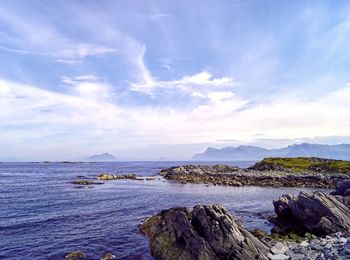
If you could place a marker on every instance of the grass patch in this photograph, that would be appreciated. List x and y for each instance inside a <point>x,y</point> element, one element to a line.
<point>299,164</point>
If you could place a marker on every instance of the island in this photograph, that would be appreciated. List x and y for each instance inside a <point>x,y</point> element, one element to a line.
<point>275,172</point>
<point>101,157</point>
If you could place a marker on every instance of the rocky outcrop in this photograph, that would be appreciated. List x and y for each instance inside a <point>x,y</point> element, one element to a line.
<point>208,232</point>
<point>108,256</point>
<point>75,255</point>
<point>107,177</point>
<point>234,176</point>
<point>318,213</point>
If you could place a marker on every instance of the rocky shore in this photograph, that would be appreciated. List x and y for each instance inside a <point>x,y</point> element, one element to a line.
<point>295,172</point>
<point>206,232</point>
<point>309,226</point>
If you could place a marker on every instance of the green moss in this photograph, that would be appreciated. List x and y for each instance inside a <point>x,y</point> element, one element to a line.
<point>304,164</point>
<point>259,233</point>
<point>289,236</point>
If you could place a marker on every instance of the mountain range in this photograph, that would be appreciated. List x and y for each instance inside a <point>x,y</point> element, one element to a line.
<point>247,152</point>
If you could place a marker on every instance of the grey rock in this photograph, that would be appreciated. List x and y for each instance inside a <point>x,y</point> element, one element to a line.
<point>300,250</point>
<point>108,256</point>
<point>304,243</point>
<point>315,246</point>
<point>279,248</point>
<point>343,240</point>
<point>297,256</point>
<point>208,232</point>
<point>342,188</point>
<point>328,246</point>
<point>278,257</point>
<point>318,213</point>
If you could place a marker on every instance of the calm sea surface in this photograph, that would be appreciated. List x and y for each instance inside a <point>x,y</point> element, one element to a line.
<point>44,216</point>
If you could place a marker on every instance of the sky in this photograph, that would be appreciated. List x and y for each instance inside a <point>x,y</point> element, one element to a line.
<point>150,79</point>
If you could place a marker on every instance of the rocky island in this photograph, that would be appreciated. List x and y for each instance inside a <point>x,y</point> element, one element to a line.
<point>275,172</point>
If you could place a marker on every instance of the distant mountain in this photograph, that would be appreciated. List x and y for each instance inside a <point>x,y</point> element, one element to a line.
<point>101,157</point>
<point>341,151</point>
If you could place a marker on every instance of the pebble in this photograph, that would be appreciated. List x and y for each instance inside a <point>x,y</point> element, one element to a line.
<point>277,257</point>
<point>330,247</point>
<point>343,240</point>
<point>279,248</point>
<point>304,243</point>
<point>297,256</point>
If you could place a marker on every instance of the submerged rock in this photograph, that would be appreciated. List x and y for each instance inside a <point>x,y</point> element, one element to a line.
<point>208,232</point>
<point>318,213</point>
<point>75,255</point>
<point>86,182</point>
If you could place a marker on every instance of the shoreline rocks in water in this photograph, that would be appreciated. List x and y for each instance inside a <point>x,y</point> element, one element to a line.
<point>309,226</point>
<point>206,232</point>
<point>75,255</point>
<point>108,177</point>
<point>295,172</point>
<point>86,182</point>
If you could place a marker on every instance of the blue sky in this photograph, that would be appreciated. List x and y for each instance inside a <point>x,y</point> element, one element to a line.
<point>145,79</point>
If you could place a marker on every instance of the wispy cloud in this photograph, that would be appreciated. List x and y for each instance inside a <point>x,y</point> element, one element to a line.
<point>156,16</point>
<point>192,84</point>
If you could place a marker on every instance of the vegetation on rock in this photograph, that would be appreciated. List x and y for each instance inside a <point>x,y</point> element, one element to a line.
<point>301,164</point>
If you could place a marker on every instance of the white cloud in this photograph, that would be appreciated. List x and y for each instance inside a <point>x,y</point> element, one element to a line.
<point>224,116</point>
<point>28,113</point>
<point>192,83</point>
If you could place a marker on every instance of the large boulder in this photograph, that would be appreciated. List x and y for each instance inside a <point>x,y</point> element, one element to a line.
<point>342,188</point>
<point>318,213</point>
<point>208,232</point>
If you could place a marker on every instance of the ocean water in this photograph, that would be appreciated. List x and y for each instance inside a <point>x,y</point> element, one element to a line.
<point>44,216</point>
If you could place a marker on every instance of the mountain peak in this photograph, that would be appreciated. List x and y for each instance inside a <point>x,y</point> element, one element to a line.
<point>102,157</point>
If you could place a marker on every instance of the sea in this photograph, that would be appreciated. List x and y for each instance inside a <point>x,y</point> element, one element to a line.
<point>44,216</point>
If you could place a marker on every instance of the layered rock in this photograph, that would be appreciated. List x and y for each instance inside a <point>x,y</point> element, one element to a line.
<point>208,232</point>
<point>318,213</point>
